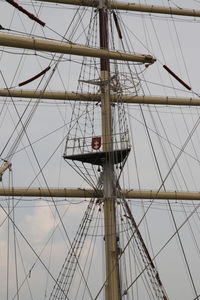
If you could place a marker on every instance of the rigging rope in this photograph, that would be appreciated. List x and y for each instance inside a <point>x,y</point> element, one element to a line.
<point>27,242</point>
<point>20,8</point>
<point>68,269</point>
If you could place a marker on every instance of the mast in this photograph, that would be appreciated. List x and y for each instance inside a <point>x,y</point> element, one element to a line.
<point>112,287</point>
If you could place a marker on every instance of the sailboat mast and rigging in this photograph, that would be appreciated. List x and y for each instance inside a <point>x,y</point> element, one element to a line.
<point>98,150</point>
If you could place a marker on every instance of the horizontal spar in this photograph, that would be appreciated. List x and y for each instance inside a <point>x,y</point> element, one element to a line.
<point>131,7</point>
<point>71,96</point>
<point>32,43</point>
<point>89,193</point>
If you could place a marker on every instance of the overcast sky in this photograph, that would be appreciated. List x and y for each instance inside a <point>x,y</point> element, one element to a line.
<point>173,41</point>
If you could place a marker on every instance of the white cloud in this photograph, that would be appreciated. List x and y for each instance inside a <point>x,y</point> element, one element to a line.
<point>40,223</point>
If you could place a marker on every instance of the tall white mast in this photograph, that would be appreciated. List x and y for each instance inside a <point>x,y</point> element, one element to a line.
<point>112,288</point>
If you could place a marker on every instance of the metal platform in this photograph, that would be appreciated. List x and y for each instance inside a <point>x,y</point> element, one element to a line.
<point>99,158</point>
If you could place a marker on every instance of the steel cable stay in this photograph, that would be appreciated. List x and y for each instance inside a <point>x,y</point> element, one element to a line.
<point>156,131</point>
<point>31,16</point>
<point>49,239</point>
<point>51,251</point>
<point>11,219</point>
<point>177,157</point>
<point>47,56</point>
<point>84,136</point>
<point>54,206</point>
<point>170,18</point>
<point>166,243</point>
<point>20,118</point>
<point>58,203</point>
<point>31,113</point>
<point>23,130</point>
<point>29,272</point>
<point>148,262</point>
<point>39,172</point>
<point>165,111</point>
<point>14,237</point>
<point>16,246</point>
<point>145,221</point>
<point>178,229</point>
<point>163,247</point>
<point>25,272</point>
<point>149,128</point>
<point>33,108</point>
<point>164,138</point>
<point>191,228</point>
<point>24,125</point>
<point>170,71</point>
<point>178,206</point>
<point>48,134</point>
<point>27,242</point>
<point>49,265</point>
<point>174,221</point>
<point>44,178</point>
<point>94,235</point>
<point>8,250</point>
<point>145,278</point>
<point>162,181</point>
<point>8,216</point>
<point>179,44</point>
<point>183,207</point>
<point>145,256</point>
